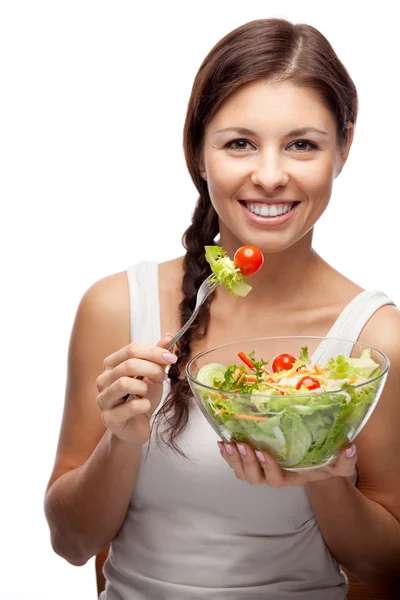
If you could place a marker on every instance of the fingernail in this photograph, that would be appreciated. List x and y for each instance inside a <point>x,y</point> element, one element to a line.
<point>260,456</point>
<point>171,334</point>
<point>221,447</point>
<point>170,358</point>
<point>242,450</point>
<point>228,449</point>
<point>350,452</point>
<point>165,376</point>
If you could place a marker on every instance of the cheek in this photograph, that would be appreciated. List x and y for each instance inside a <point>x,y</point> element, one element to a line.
<point>316,179</point>
<point>225,177</point>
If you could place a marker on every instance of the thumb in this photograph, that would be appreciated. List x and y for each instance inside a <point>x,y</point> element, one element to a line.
<point>347,460</point>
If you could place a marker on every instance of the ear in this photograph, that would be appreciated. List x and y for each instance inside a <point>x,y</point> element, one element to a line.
<point>200,163</point>
<point>344,150</point>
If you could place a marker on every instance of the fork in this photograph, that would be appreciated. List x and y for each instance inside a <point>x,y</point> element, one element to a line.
<point>206,288</point>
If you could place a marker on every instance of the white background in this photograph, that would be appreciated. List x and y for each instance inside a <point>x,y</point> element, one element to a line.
<point>93,99</point>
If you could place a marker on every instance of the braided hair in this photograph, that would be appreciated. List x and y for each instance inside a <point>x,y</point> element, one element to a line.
<point>269,50</point>
<point>202,231</point>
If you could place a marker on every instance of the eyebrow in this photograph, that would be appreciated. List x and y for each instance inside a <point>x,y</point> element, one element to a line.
<point>294,132</point>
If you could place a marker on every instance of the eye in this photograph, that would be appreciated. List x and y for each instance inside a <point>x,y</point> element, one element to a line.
<point>239,145</point>
<point>304,145</point>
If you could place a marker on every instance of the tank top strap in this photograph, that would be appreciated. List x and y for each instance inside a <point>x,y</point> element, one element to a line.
<point>144,302</point>
<point>349,324</point>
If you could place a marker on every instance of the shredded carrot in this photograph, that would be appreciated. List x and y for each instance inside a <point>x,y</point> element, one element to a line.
<point>239,381</point>
<point>250,418</point>
<point>318,370</point>
<point>251,379</point>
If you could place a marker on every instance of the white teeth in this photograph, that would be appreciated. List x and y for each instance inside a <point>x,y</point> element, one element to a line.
<point>273,211</point>
<point>270,210</point>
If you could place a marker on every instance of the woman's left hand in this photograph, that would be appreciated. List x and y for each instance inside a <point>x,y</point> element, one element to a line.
<point>251,468</point>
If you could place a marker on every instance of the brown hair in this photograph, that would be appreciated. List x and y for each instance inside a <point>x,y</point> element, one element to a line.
<point>268,49</point>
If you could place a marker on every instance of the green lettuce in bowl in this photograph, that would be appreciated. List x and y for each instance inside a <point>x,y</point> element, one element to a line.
<point>302,414</point>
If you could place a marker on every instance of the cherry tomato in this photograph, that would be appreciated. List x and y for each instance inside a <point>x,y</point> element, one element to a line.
<point>283,362</point>
<point>308,382</point>
<point>248,259</point>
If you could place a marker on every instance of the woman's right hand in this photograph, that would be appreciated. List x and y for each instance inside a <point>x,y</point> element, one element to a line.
<point>130,420</point>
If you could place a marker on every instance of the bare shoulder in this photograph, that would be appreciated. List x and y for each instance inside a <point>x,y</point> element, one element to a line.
<point>106,303</point>
<point>383,330</point>
<point>378,444</point>
<point>102,321</point>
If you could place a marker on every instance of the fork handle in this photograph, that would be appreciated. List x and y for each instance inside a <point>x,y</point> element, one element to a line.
<point>180,333</point>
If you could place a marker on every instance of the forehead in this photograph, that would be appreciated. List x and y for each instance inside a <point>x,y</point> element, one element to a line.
<point>273,108</point>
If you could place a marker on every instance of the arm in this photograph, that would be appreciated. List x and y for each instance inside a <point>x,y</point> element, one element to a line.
<point>94,472</point>
<point>361,526</point>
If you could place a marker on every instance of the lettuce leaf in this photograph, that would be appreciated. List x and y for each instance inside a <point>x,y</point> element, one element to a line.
<point>225,271</point>
<point>298,438</point>
<point>304,355</point>
<point>343,367</point>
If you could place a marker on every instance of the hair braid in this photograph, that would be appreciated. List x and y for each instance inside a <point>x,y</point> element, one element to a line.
<point>200,233</point>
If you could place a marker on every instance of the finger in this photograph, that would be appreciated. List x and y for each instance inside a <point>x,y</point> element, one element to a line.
<point>114,394</point>
<point>131,352</point>
<point>274,476</point>
<point>165,343</point>
<point>230,453</point>
<point>133,367</point>
<point>346,461</point>
<point>125,411</point>
<point>251,466</point>
<point>154,354</point>
<point>165,340</point>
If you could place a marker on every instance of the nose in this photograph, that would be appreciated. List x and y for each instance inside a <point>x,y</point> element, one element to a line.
<point>270,171</point>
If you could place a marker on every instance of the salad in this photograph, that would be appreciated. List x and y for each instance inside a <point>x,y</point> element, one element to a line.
<point>300,412</point>
<point>230,273</point>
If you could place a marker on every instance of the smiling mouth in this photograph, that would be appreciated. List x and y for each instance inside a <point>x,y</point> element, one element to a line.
<point>269,210</point>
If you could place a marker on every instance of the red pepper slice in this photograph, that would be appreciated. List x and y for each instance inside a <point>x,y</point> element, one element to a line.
<point>246,360</point>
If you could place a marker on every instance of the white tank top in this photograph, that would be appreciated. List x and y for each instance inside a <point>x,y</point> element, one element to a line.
<point>192,530</point>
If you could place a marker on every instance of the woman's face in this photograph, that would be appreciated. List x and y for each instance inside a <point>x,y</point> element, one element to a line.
<point>270,155</point>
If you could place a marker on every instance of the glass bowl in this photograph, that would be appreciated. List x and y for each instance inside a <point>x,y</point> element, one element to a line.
<point>301,431</point>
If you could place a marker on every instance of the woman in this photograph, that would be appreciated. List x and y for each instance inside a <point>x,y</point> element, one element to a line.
<point>269,127</point>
